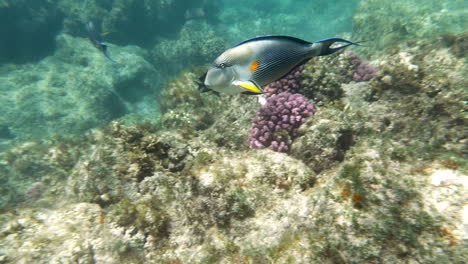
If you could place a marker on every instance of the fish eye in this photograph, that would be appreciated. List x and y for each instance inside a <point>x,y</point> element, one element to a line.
<point>221,65</point>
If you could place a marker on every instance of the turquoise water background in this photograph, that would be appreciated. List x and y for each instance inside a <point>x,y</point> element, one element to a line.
<point>44,45</point>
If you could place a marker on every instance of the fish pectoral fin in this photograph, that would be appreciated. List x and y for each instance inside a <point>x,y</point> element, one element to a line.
<point>248,86</point>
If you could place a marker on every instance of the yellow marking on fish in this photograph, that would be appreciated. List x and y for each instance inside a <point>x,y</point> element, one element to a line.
<point>254,66</point>
<point>249,86</point>
<point>105,33</point>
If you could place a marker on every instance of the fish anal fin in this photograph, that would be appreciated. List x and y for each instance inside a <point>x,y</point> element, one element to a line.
<point>248,86</point>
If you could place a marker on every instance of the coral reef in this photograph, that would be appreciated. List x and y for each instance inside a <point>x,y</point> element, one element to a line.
<point>363,183</point>
<point>364,71</point>
<point>378,175</point>
<point>276,124</point>
<point>197,43</point>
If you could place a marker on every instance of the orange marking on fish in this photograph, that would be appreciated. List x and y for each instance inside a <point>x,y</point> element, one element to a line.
<point>254,66</point>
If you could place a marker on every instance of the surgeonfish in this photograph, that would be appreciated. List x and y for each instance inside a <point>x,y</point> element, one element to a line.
<point>258,61</point>
<point>96,39</point>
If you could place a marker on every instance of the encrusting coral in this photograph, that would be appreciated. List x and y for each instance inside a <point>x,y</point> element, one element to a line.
<point>289,83</point>
<point>364,71</point>
<point>277,121</point>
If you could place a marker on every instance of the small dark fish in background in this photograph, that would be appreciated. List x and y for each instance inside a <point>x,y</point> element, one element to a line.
<point>96,39</point>
<point>258,61</point>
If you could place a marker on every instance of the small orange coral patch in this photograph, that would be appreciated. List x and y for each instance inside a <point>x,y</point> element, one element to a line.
<point>346,192</point>
<point>449,164</point>
<point>449,236</point>
<point>357,198</point>
<point>420,170</point>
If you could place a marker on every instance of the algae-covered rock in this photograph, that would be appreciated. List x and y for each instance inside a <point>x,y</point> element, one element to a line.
<point>73,90</point>
<point>197,43</point>
<point>29,171</point>
<point>73,233</point>
<point>322,77</point>
<point>403,22</point>
<point>220,119</point>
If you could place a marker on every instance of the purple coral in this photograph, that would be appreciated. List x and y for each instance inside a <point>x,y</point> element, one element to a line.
<point>364,71</point>
<point>289,83</point>
<point>34,192</point>
<point>276,123</point>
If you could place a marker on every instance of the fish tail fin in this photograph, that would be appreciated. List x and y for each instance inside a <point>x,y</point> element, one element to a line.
<point>106,54</point>
<point>327,48</point>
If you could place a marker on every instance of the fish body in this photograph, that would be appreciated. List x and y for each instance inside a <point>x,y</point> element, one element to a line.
<point>256,62</point>
<point>96,39</point>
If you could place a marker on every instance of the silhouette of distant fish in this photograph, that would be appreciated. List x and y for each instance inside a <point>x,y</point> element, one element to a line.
<point>96,39</point>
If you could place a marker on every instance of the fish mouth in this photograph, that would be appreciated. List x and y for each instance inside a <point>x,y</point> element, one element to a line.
<point>234,75</point>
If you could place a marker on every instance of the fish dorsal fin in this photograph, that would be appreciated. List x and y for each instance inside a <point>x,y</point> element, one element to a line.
<point>273,37</point>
